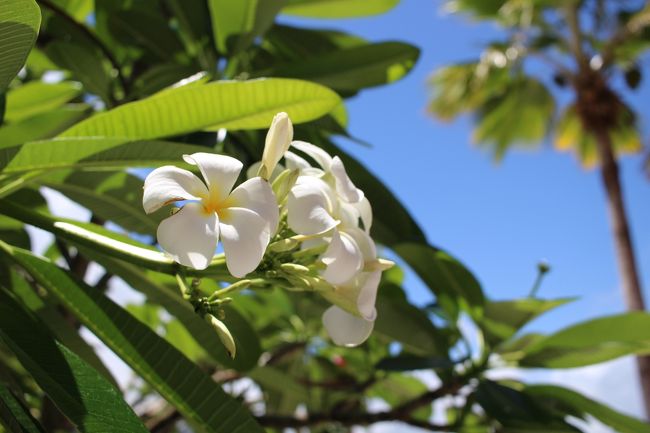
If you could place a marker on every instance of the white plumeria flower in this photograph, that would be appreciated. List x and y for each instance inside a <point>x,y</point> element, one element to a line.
<point>348,201</point>
<point>277,143</point>
<point>243,218</point>
<point>351,319</point>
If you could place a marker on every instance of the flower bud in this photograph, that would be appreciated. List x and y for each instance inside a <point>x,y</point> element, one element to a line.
<point>224,334</point>
<point>277,143</point>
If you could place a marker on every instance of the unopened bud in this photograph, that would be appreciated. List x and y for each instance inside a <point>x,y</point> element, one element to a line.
<point>283,245</point>
<point>283,183</point>
<point>277,143</point>
<point>224,334</point>
<point>294,268</point>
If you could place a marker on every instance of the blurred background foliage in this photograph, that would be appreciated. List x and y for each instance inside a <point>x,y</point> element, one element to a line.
<point>113,85</point>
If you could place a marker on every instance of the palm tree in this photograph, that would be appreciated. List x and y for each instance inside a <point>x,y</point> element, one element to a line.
<point>585,45</point>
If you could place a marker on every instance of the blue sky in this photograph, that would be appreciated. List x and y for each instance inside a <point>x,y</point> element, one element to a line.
<point>502,218</point>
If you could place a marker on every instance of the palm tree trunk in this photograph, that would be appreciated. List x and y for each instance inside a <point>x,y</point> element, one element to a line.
<point>631,284</point>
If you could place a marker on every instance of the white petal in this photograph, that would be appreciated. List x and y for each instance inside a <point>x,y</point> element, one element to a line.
<point>277,141</point>
<point>256,194</point>
<point>219,171</point>
<point>316,153</point>
<point>344,185</point>
<point>344,328</point>
<point>310,206</point>
<point>348,214</point>
<point>343,259</point>
<point>364,242</point>
<point>168,184</point>
<point>190,236</point>
<point>294,161</point>
<point>368,294</point>
<point>245,236</point>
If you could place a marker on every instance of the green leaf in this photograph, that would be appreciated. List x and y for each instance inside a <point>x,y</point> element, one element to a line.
<point>517,411</point>
<point>224,104</point>
<point>502,319</point>
<point>353,68</point>
<point>14,415</point>
<point>87,64</point>
<point>453,285</point>
<point>177,379</point>
<point>48,312</point>
<point>591,342</point>
<point>568,401</point>
<point>398,320</point>
<point>338,8</point>
<point>88,152</point>
<point>236,24</point>
<point>36,97</point>
<point>82,394</point>
<point>115,197</point>
<point>41,126</point>
<point>19,23</point>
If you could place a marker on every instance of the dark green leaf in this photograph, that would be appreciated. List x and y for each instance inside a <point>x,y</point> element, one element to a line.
<point>19,23</point>
<point>571,402</point>
<point>411,362</point>
<point>453,285</point>
<point>176,378</point>
<point>14,415</point>
<point>352,68</point>
<point>81,393</point>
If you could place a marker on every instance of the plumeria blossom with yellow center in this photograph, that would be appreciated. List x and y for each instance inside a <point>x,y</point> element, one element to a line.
<point>243,218</point>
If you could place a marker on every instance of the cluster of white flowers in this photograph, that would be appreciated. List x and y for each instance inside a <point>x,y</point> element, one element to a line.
<point>315,208</point>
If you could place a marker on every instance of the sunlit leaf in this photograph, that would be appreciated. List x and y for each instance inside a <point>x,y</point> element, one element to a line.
<point>224,104</point>
<point>338,8</point>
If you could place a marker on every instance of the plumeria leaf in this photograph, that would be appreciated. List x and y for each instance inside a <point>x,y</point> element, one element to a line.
<point>115,197</point>
<point>104,153</point>
<point>591,342</point>
<point>14,414</point>
<point>169,372</point>
<point>19,23</point>
<point>37,97</point>
<point>575,404</point>
<point>353,68</point>
<point>502,319</point>
<point>81,393</point>
<point>211,106</point>
<point>41,126</point>
<point>454,286</point>
<point>338,8</point>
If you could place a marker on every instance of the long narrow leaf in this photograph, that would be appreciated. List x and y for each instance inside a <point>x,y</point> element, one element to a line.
<point>168,371</point>
<point>80,392</point>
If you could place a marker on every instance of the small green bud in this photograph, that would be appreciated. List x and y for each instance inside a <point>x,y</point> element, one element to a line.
<point>283,183</point>
<point>283,245</point>
<point>543,267</point>
<point>294,268</point>
<point>224,334</point>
